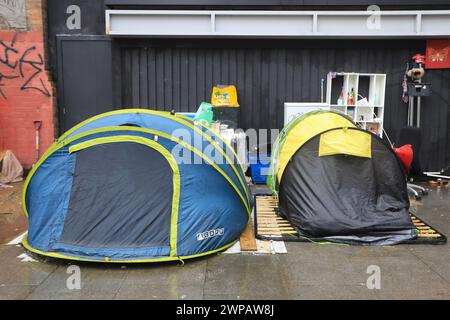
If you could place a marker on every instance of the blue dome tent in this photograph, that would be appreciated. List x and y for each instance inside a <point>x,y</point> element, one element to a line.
<point>136,185</point>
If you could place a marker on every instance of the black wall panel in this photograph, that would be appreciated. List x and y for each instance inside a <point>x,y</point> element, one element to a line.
<point>85,86</point>
<point>94,76</point>
<point>92,22</point>
<point>179,74</point>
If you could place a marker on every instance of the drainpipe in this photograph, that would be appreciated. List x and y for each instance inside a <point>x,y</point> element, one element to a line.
<point>37,127</point>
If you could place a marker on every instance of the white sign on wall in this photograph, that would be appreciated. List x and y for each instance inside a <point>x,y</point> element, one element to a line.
<point>293,110</point>
<point>12,14</point>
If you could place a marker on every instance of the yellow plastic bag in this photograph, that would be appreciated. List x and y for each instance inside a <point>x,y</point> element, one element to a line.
<point>224,97</point>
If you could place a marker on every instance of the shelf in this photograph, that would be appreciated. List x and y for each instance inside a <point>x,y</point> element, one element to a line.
<point>352,105</point>
<point>371,86</point>
<point>297,24</point>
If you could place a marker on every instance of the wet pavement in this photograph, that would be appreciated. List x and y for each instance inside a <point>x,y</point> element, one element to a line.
<point>12,220</point>
<point>307,271</point>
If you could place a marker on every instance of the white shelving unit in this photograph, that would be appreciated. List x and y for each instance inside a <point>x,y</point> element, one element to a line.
<point>368,116</point>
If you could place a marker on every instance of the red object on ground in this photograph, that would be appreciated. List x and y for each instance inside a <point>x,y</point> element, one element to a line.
<point>405,154</point>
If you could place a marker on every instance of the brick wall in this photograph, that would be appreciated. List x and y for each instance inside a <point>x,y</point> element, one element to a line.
<point>35,13</point>
<point>26,93</point>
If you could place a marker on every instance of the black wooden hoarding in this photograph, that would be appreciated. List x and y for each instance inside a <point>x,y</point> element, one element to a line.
<point>170,74</point>
<point>85,78</point>
<point>59,13</point>
<point>98,73</point>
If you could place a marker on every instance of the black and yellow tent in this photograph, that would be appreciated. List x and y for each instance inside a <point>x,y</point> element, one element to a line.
<point>339,183</point>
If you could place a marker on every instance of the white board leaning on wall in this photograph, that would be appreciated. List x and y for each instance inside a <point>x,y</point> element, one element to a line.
<point>293,110</point>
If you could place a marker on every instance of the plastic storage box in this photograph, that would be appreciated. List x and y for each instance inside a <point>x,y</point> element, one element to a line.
<point>259,170</point>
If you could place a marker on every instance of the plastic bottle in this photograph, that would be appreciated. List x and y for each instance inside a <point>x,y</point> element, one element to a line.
<point>351,98</point>
<point>340,100</point>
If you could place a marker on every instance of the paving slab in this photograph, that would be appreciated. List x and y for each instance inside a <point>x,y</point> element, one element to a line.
<point>15,292</point>
<point>245,276</point>
<point>98,281</point>
<point>12,219</point>
<point>343,272</point>
<point>308,264</point>
<point>167,281</point>
<point>407,276</point>
<point>14,272</point>
<point>436,258</point>
<point>334,292</point>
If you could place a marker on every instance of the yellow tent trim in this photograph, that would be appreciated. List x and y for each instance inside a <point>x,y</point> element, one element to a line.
<point>225,143</point>
<point>345,141</point>
<point>173,165</point>
<point>109,260</point>
<point>178,118</point>
<point>304,131</point>
<point>164,114</point>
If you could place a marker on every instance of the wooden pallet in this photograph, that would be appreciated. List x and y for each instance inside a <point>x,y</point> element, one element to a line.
<point>269,225</point>
<point>426,232</point>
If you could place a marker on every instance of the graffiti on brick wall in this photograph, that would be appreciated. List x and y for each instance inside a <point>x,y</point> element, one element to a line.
<point>23,66</point>
<point>12,14</point>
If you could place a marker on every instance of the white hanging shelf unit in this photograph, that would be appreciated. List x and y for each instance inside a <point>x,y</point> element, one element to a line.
<point>367,110</point>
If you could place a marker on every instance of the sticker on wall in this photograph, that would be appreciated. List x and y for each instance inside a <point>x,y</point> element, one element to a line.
<point>437,56</point>
<point>12,15</point>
